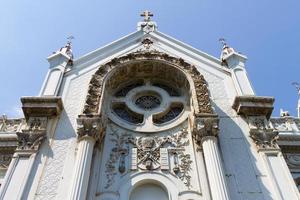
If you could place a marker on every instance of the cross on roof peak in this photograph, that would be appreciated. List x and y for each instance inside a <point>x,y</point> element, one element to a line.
<point>147,15</point>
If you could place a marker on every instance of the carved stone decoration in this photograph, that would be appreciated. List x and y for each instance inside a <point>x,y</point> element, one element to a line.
<point>118,153</point>
<point>262,134</point>
<point>5,160</point>
<point>292,160</point>
<point>33,134</point>
<point>146,152</point>
<point>89,126</point>
<point>202,104</point>
<point>147,42</point>
<point>204,127</point>
<point>10,125</point>
<point>265,138</point>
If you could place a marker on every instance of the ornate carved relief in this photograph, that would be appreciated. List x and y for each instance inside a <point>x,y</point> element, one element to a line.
<point>262,134</point>
<point>10,125</point>
<point>96,84</point>
<point>5,160</point>
<point>89,126</point>
<point>292,160</point>
<point>204,127</point>
<point>149,153</point>
<point>33,134</point>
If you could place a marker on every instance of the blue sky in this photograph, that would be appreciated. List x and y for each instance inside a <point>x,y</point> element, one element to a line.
<point>267,32</point>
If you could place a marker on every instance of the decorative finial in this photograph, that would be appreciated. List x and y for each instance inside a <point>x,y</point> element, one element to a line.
<point>226,50</point>
<point>69,47</point>
<point>223,42</point>
<point>147,15</point>
<point>297,85</point>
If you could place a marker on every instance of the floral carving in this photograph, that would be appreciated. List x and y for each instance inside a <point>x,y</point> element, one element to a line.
<point>262,134</point>
<point>119,151</point>
<point>205,127</point>
<point>33,134</point>
<point>266,138</point>
<point>96,84</point>
<point>89,126</point>
<point>148,154</point>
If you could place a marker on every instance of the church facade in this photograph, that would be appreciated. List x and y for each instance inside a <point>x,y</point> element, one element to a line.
<point>149,117</point>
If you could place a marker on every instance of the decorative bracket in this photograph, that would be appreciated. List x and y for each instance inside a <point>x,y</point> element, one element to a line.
<point>258,110</point>
<point>36,110</point>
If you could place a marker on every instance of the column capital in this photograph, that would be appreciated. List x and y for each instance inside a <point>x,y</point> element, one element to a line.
<point>32,135</point>
<point>204,128</point>
<point>89,126</point>
<point>262,134</point>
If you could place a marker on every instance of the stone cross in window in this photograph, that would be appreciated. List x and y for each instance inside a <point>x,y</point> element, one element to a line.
<point>147,15</point>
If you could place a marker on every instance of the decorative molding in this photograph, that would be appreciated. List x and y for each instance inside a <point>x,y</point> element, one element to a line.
<point>253,105</point>
<point>93,98</point>
<point>41,106</point>
<point>10,125</point>
<point>205,127</point>
<point>265,138</point>
<point>33,134</point>
<point>89,126</point>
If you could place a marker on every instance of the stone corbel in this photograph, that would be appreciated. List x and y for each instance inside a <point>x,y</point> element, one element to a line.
<point>205,127</point>
<point>37,111</point>
<point>90,126</point>
<point>257,111</point>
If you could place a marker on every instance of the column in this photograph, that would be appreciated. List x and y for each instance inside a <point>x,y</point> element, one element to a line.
<point>256,110</point>
<point>89,131</point>
<point>38,111</point>
<point>205,134</point>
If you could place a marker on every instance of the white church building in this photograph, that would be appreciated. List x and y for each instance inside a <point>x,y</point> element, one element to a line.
<point>148,117</point>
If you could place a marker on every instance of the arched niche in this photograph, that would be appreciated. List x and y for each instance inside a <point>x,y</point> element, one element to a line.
<point>108,76</point>
<point>148,191</point>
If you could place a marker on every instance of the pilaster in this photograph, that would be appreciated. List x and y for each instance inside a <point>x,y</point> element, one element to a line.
<point>37,111</point>
<point>236,63</point>
<point>89,130</point>
<point>205,134</point>
<point>257,112</point>
<point>59,61</point>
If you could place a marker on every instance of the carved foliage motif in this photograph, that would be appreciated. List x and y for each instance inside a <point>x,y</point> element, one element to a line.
<point>262,134</point>
<point>149,150</point>
<point>10,125</point>
<point>33,134</point>
<point>96,84</point>
<point>292,160</point>
<point>89,126</point>
<point>205,127</point>
<point>5,160</point>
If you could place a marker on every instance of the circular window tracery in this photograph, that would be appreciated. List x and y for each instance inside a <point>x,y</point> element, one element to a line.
<point>148,103</point>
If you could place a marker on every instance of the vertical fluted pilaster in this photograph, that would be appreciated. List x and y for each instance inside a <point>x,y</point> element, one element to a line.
<point>82,168</point>
<point>205,135</point>
<point>89,131</point>
<point>214,168</point>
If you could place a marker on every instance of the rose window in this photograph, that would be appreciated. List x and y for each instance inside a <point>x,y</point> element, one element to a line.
<point>147,105</point>
<point>147,102</point>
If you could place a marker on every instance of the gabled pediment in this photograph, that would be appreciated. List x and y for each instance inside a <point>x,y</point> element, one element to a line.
<point>160,42</point>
